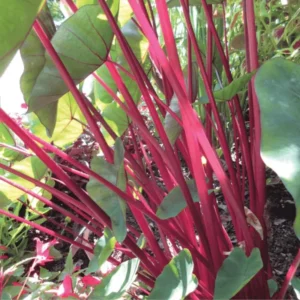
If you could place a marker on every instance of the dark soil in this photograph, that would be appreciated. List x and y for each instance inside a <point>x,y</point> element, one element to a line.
<point>282,241</point>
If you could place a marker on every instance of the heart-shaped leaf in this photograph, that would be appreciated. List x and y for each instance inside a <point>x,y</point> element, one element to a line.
<point>237,270</point>
<point>82,42</point>
<point>228,92</point>
<point>116,118</point>
<point>33,53</point>
<point>31,166</point>
<point>114,285</point>
<point>278,91</point>
<point>103,249</point>
<point>296,286</point>
<point>6,137</point>
<point>16,19</point>
<point>177,279</point>
<point>273,286</point>
<point>110,202</point>
<point>174,202</point>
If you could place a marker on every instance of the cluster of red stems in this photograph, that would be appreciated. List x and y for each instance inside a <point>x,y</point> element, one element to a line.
<point>199,227</point>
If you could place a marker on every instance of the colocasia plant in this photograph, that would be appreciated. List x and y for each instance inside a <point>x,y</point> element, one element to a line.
<point>138,115</point>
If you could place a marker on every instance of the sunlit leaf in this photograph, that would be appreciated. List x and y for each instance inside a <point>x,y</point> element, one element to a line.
<point>89,36</point>
<point>16,19</point>
<point>114,285</point>
<point>31,166</point>
<point>6,137</point>
<point>103,249</point>
<point>278,90</point>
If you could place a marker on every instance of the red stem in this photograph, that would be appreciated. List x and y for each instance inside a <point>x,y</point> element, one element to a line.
<point>289,276</point>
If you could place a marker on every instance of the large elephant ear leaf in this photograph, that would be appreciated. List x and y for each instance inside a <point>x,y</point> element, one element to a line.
<point>177,279</point>
<point>278,91</point>
<point>16,19</point>
<point>33,53</point>
<point>82,43</point>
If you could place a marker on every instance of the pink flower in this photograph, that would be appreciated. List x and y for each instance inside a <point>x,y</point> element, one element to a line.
<point>3,248</point>
<point>24,106</point>
<point>90,280</point>
<point>43,251</point>
<point>65,290</point>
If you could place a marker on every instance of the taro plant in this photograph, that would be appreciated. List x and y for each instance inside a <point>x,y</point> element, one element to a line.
<point>145,103</point>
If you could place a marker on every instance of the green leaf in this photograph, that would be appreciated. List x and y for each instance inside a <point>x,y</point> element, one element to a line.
<point>68,125</point>
<point>47,275</point>
<point>174,202</point>
<point>80,3</point>
<point>82,42</point>
<point>7,138</point>
<point>116,118</point>
<point>176,3</point>
<point>31,166</point>
<point>172,128</point>
<point>110,202</point>
<point>296,286</point>
<point>273,286</point>
<point>118,281</point>
<point>33,53</point>
<point>69,266</point>
<point>16,19</point>
<point>231,90</point>
<point>125,13</point>
<point>142,241</point>
<point>176,280</point>
<point>237,270</point>
<point>278,90</point>
<point>103,249</point>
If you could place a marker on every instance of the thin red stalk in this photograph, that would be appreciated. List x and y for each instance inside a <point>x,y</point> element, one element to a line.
<point>206,81</point>
<point>143,180</point>
<point>152,17</point>
<point>289,276</point>
<point>73,171</point>
<point>192,142</point>
<point>17,149</point>
<point>240,123</point>
<point>225,29</point>
<point>73,89</point>
<point>71,4</point>
<point>158,53</point>
<point>146,210</point>
<point>157,157</point>
<point>96,211</point>
<point>60,195</point>
<point>140,218</point>
<point>254,64</point>
<point>52,221</point>
<point>137,70</point>
<point>135,146</point>
<point>45,230</point>
<point>50,204</point>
